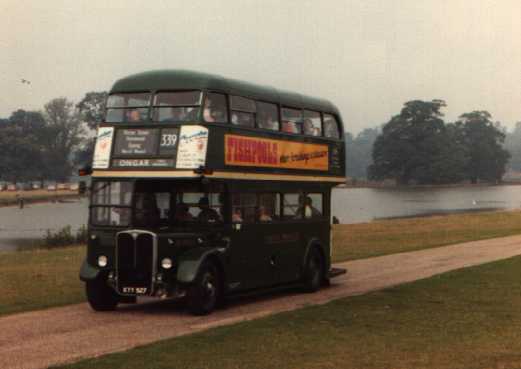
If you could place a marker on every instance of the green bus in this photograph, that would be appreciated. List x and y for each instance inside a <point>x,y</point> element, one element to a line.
<point>205,187</point>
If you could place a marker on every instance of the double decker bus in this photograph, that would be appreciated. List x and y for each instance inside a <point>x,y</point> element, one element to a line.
<point>205,187</point>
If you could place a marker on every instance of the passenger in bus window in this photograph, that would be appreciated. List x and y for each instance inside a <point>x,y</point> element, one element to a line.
<point>207,214</point>
<point>308,127</point>
<point>309,210</point>
<point>289,127</point>
<point>264,216</point>
<point>237,215</point>
<point>215,108</point>
<point>133,116</point>
<point>208,116</point>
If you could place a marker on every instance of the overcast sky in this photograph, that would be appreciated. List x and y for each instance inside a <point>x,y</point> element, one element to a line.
<point>368,57</point>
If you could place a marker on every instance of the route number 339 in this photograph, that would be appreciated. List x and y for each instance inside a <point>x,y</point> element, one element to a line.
<point>168,140</point>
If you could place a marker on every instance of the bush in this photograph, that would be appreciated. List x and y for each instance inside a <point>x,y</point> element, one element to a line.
<point>65,237</point>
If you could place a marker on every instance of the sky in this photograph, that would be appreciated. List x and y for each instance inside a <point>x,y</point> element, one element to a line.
<point>367,57</point>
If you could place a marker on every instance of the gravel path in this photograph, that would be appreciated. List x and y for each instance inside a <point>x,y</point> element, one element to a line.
<point>41,338</point>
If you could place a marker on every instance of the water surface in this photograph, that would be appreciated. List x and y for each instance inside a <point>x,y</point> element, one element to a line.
<point>22,228</point>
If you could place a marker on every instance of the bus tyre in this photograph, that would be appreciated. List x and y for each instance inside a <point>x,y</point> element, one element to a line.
<point>313,271</point>
<point>204,294</point>
<point>100,296</point>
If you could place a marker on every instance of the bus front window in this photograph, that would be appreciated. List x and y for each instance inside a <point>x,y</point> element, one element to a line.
<point>128,107</point>
<point>181,106</point>
<point>111,203</point>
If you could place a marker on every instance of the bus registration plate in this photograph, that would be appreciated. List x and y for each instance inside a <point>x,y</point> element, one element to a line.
<point>135,290</point>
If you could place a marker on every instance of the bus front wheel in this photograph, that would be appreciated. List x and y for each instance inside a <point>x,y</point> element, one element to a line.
<point>313,271</point>
<point>203,295</point>
<point>100,296</point>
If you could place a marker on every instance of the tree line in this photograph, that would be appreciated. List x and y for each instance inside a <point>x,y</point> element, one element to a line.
<point>48,144</point>
<point>417,146</point>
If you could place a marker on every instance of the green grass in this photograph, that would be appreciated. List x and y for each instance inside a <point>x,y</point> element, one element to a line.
<point>39,279</point>
<point>463,319</point>
<point>357,241</point>
<point>44,278</point>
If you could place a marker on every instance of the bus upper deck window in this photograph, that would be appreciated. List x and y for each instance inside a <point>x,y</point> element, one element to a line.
<point>291,120</point>
<point>243,111</point>
<point>215,108</point>
<point>127,107</point>
<point>331,126</point>
<point>312,123</point>
<point>182,106</point>
<point>267,116</point>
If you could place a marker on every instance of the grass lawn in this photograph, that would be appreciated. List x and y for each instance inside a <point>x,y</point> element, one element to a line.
<point>38,279</point>
<point>357,241</point>
<point>469,318</point>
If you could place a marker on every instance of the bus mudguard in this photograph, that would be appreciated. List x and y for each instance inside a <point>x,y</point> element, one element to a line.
<point>88,272</point>
<point>314,242</point>
<point>190,262</point>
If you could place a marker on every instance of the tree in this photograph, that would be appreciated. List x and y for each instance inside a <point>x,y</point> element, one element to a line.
<point>513,146</point>
<point>22,146</point>
<point>484,142</point>
<point>64,121</point>
<point>358,152</point>
<point>92,111</point>
<point>409,147</point>
<point>92,108</point>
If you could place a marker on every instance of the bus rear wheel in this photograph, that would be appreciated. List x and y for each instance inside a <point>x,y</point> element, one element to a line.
<point>100,296</point>
<point>313,271</point>
<point>204,294</point>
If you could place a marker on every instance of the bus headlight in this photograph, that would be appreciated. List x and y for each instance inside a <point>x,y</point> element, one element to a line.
<point>102,261</point>
<point>166,263</point>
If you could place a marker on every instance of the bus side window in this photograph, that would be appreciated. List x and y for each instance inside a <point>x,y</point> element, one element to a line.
<point>243,111</point>
<point>215,109</point>
<point>312,123</point>
<point>331,126</point>
<point>267,116</point>
<point>292,204</point>
<point>291,120</point>
<point>313,205</point>
<point>243,207</point>
<point>269,207</point>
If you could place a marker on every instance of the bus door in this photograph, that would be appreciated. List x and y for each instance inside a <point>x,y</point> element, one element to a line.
<point>279,242</point>
<point>249,260</point>
<point>297,229</point>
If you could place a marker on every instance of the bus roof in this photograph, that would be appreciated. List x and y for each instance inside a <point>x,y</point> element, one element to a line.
<point>176,79</point>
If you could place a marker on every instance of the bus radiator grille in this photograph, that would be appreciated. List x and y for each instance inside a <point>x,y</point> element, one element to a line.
<point>135,259</point>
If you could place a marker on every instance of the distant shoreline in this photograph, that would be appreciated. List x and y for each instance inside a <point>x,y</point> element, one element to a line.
<point>455,185</point>
<point>29,198</point>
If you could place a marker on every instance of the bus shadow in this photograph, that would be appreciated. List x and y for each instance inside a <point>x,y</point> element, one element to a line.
<point>149,305</point>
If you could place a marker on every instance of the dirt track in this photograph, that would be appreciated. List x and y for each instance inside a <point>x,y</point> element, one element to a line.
<point>42,338</point>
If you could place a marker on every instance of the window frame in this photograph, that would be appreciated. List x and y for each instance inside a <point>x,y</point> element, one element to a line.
<point>337,124</point>
<point>226,106</point>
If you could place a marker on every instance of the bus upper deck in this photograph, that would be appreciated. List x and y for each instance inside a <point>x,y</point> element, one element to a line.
<point>183,124</point>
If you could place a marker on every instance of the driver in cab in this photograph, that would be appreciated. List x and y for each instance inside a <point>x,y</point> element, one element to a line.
<point>207,214</point>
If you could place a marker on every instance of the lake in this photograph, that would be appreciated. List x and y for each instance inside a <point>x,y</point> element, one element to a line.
<point>21,228</point>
